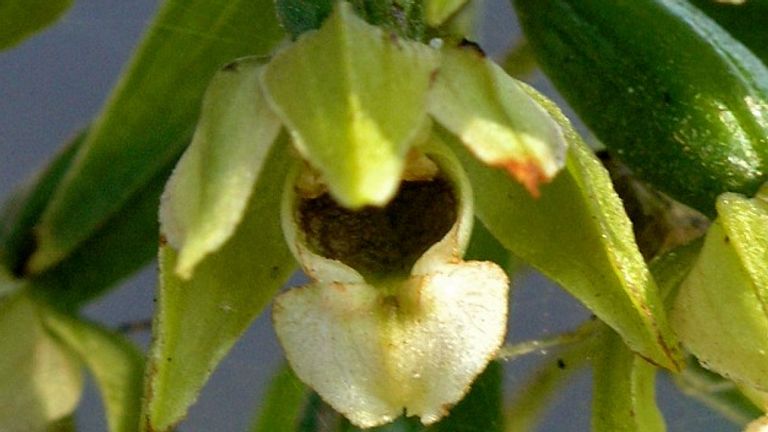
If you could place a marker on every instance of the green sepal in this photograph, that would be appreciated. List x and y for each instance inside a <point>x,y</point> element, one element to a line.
<point>721,309</point>
<point>745,20</point>
<point>495,117</point>
<point>20,19</point>
<point>197,321</point>
<point>40,379</point>
<point>343,94</point>
<point>624,393</point>
<point>206,196</point>
<point>578,234</point>
<point>147,120</point>
<point>116,364</point>
<point>283,405</point>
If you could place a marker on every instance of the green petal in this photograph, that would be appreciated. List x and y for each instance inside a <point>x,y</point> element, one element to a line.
<point>207,194</point>
<point>495,118</point>
<point>354,99</point>
<point>146,123</point>
<point>20,19</point>
<point>197,321</point>
<point>624,393</point>
<point>116,364</point>
<point>40,381</point>
<point>721,312</point>
<point>578,234</point>
<point>440,10</point>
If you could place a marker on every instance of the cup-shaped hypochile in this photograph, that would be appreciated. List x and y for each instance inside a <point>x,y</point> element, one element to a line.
<point>450,248</point>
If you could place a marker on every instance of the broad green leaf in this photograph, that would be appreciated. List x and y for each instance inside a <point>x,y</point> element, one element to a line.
<point>721,309</point>
<point>578,234</point>
<point>40,380</point>
<point>483,246</point>
<point>23,210</point>
<point>624,394</point>
<point>20,19</point>
<point>116,364</point>
<point>496,118</point>
<point>126,242</point>
<point>283,405</point>
<point>341,92</point>
<point>438,11</point>
<point>149,116</point>
<point>210,187</point>
<point>197,321</point>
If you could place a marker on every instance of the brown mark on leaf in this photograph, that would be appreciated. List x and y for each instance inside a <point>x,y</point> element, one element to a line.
<point>162,240</point>
<point>231,67</point>
<point>527,173</point>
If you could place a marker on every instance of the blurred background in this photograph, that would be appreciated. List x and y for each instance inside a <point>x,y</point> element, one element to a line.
<point>54,83</point>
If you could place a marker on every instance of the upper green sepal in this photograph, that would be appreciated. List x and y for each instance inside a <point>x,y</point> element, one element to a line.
<point>206,197</point>
<point>20,19</point>
<point>354,98</point>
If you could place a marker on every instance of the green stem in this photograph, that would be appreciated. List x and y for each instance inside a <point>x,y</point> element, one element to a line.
<point>513,352</point>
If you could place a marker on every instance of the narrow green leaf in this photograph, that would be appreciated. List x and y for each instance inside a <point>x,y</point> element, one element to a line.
<point>197,321</point>
<point>147,120</point>
<point>20,19</point>
<point>438,11</point>
<point>495,117</point>
<point>40,380</point>
<point>210,187</point>
<point>283,405</point>
<point>341,92</point>
<point>116,363</point>
<point>729,280</point>
<point>624,394</point>
<point>23,210</point>
<point>555,372</point>
<point>578,234</point>
<point>126,242</point>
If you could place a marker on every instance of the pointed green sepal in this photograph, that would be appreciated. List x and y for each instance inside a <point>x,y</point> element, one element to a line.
<point>198,320</point>
<point>721,309</point>
<point>495,118</point>
<point>206,196</point>
<point>578,234</point>
<point>40,380</point>
<point>354,99</point>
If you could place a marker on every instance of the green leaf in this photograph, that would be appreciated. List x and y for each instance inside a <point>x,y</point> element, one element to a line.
<point>284,403</point>
<point>210,187</point>
<point>23,210</point>
<point>126,242</point>
<point>40,381</point>
<point>20,19</point>
<point>438,11</point>
<point>116,363</point>
<point>146,122</point>
<point>624,394</point>
<point>341,93</point>
<point>721,310</point>
<point>578,234</point>
<point>197,321</point>
<point>495,118</point>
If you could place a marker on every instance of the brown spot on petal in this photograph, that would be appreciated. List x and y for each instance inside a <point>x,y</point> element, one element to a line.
<point>473,46</point>
<point>528,173</point>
